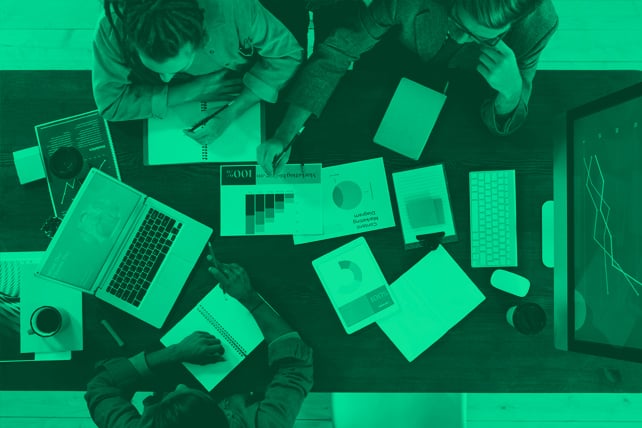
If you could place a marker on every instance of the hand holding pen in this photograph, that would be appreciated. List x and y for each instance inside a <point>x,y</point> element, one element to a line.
<point>211,127</point>
<point>274,154</point>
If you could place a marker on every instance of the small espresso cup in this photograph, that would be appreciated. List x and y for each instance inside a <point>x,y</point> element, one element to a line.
<point>45,321</point>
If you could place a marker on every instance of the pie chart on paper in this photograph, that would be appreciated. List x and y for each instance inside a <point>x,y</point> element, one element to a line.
<point>347,195</point>
<point>350,276</point>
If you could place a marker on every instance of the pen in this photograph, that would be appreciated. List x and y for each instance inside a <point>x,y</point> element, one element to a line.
<point>278,158</point>
<point>113,333</point>
<point>446,87</point>
<point>216,263</point>
<point>207,119</point>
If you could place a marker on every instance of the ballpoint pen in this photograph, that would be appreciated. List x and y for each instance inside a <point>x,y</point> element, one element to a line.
<point>278,157</point>
<point>202,122</point>
<point>217,265</point>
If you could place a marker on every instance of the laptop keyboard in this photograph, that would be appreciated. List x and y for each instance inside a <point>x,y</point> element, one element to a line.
<point>144,256</point>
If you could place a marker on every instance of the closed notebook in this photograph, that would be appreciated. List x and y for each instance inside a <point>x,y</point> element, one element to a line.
<point>409,119</point>
<point>433,296</point>
<point>229,321</point>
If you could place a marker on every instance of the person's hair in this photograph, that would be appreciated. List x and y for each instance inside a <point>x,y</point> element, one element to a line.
<point>158,28</point>
<point>498,13</point>
<point>193,410</point>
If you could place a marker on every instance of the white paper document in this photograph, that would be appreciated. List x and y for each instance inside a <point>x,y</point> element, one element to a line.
<point>424,204</point>
<point>355,285</point>
<point>253,203</point>
<point>356,199</point>
<point>166,144</point>
<point>433,296</point>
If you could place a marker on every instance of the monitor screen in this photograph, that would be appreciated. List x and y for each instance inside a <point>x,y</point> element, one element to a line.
<point>604,225</point>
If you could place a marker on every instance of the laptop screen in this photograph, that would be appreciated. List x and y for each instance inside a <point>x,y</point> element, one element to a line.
<point>89,231</point>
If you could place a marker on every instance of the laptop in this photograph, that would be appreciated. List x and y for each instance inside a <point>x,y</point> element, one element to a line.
<point>125,248</point>
<point>409,119</point>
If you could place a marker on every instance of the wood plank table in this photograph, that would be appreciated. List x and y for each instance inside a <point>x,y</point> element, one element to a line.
<point>481,354</point>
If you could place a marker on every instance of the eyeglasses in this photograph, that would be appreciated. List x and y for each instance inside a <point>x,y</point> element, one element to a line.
<point>482,41</point>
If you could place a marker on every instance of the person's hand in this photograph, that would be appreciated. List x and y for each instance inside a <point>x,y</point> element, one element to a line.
<point>234,281</point>
<point>268,151</point>
<point>200,348</point>
<point>499,67</point>
<point>212,129</point>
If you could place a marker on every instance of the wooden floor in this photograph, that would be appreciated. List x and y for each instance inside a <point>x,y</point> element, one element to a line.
<point>593,35</point>
<point>68,409</point>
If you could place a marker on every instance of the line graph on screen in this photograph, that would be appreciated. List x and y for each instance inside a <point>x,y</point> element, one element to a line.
<point>602,214</point>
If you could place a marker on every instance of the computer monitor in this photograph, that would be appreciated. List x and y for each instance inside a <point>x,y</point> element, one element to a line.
<point>598,227</point>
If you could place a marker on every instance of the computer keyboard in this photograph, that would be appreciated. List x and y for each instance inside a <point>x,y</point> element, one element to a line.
<point>144,256</point>
<point>493,226</point>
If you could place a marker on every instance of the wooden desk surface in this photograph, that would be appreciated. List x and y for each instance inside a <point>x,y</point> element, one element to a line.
<point>480,354</point>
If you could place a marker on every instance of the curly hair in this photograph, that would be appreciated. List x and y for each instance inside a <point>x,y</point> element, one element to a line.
<point>498,13</point>
<point>157,28</point>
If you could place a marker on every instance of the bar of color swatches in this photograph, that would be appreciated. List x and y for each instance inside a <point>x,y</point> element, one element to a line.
<point>261,210</point>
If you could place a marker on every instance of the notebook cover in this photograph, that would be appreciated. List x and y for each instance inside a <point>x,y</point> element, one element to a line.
<point>409,119</point>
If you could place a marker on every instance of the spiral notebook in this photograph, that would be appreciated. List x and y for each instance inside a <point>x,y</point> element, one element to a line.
<point>229,321</point>
<point>165,144</point>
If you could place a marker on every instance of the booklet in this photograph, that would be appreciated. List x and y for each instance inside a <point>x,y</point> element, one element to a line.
<point>356,199</point>
<point>433,296</point>
<point>355,285</point>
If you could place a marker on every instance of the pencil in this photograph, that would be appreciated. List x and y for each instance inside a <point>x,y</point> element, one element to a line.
<point>113,333</point>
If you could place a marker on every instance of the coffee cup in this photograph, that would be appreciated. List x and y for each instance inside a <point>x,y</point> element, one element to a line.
<point>527,318</point>
<point>45,321</point>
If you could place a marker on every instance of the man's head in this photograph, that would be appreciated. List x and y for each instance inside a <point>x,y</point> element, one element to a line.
<point>164,33</point>
<point>486,21</point>
<point>185,407</point>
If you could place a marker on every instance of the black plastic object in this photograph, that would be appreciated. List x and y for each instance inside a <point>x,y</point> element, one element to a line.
<point>66,162</point>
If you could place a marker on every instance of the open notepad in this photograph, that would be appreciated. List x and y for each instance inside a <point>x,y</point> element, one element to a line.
<point>433,296</point>
<point>229,321</point>
<point>165,143</point>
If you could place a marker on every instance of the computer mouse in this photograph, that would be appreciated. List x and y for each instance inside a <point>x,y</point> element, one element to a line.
<point>510,282</point>
<point>66,162</point>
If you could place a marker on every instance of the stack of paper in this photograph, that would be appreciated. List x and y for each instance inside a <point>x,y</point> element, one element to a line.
<point>433,296</point>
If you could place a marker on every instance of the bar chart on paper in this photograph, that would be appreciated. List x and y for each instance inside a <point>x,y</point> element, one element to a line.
<point>269,212</point>
<point>253,203</point>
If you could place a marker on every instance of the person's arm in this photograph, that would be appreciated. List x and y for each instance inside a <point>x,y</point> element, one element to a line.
<point>504,114</point>
<point>278,54</point>
<point>110,391</point>
<point>288,355</point>
<point>119,99</point>
<point>315,82</point>
<point>291,360</point>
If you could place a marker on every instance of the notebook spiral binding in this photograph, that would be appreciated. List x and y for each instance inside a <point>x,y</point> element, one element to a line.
<point>204,147</point>
<point>225,335</point>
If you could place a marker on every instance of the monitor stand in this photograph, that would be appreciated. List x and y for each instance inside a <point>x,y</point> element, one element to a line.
<point>548,234</point>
